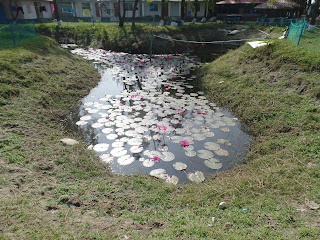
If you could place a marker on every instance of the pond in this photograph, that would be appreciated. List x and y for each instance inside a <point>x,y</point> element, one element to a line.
<point>150,116</point>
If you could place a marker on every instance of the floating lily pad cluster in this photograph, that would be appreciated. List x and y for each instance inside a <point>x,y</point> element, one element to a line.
<point>158,116</point>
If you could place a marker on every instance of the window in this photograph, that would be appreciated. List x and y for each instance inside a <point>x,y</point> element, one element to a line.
<point>129,6</point>
<point>153,7</point>
<point>86,6</point>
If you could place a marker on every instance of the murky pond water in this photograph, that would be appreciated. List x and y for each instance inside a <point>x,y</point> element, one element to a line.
<point>149,116</point>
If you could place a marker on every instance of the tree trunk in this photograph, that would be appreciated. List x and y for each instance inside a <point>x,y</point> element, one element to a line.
<point>134,13</point>
<point>162,12</point>
<point>162,9</point>
<point>307,9</point>
<point>183,7</point>
<point>206,10</point>
<point>214,8</point>
<point>119,13</point>
<point>183,3</point>
<point>314,14</point>
<point>14,16</point>
<point>124,11</point>
<point>56,11</point>
<point>196,4</point>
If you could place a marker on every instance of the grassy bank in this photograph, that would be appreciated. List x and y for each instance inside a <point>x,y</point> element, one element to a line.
<point>52,191</point>
<point>138,40</point>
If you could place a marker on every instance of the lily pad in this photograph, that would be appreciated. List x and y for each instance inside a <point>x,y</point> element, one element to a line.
<point>222,152</point>
<point>167,156</point>
<point>81,123</point>
<point>205,154</point>
<point>107,130</point>
<point>118,152</point>
<point>106,158</point>
<point>190,153</point>
<point>125,160</point>
<point>211,146</point>
<point>172,180</point>
<point>196,177</point>
<point>136,149</point>
<point>179,166</point>
<point>213,163</point>
<point>101,147</point>
<point>112,136</point>
<point>159,173</point>
<point>148,163</point>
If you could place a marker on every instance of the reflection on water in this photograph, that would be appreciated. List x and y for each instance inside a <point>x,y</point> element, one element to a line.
<point>149,116</point>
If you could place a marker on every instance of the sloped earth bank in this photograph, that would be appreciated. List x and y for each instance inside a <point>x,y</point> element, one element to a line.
<point>138,40</point>
<point>52,191</point>
<point>150,116</point>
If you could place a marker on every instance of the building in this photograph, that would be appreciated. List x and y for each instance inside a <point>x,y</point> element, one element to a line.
<point>102,10</point>
<point>26,9</point>
<point>108,9</point>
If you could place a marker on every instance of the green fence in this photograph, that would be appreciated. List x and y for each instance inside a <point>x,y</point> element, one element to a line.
<point>296,30</point>
<point>14,33</point>
<point>304,35</point>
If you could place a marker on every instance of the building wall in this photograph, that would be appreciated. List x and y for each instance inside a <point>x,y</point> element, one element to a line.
<point>129,13</point>
<point>147,11</point>
<point>28,9</point>
<point>200,13</point>
<point>174,10</point>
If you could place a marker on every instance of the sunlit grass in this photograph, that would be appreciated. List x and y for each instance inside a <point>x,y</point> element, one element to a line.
<point>274,90</point>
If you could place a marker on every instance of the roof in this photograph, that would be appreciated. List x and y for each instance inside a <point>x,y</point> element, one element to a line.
<point>278,4</point>
<point>240,2</point>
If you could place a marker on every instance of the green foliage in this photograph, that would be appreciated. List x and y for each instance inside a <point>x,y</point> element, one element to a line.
<point>272,89</point>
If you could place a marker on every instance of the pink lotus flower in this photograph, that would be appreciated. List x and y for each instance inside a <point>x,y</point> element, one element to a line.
<point>142,96</point>
<point>107,117</point>
<point>132,96</point>
<point>165,85</point>
<point>199,111</point>
<point>159,127</point>
<point>169,88</point>
<point>164,128</point>
<point>184,143</point>
<point>180,111</point>
<point>156,159</point>
<point>121,104</point>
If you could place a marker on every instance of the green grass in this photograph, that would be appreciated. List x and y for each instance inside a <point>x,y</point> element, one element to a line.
<point>138,40</point>
<point>311,40</point>
<point>22,32</point>
<point>273,89</point>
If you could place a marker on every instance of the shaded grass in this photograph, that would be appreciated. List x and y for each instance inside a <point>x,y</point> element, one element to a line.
<point>40,177</point>
<point>138,40</point>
